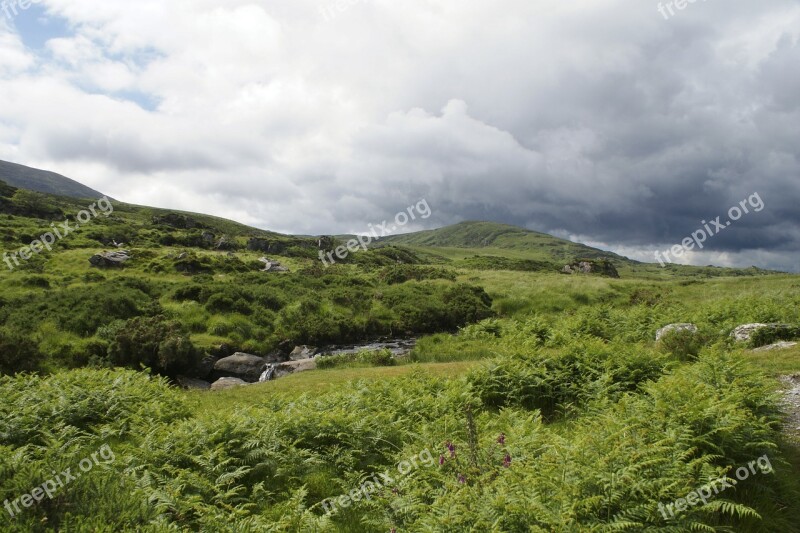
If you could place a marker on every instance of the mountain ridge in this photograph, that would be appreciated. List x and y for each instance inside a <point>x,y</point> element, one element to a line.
<point>44,181</point>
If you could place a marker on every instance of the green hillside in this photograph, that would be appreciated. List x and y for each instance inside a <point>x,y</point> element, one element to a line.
<point>492,235</point>
<point>44,181</point>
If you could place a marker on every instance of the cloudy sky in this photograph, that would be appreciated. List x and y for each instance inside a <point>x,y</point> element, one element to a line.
<point>603,121</point>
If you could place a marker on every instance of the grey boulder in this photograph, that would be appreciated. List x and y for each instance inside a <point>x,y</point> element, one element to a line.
<point>227,383</point>
<point>244,366</point>
<point>673,328</point>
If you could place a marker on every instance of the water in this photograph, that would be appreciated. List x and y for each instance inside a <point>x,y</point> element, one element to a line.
<point>398,347</point>
<point>266,375</point>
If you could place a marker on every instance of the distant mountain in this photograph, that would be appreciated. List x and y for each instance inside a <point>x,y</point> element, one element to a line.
<point>44,181</point>
<point>484,237</point>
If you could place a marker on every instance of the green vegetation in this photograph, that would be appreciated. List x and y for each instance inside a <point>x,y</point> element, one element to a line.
<point>543,398</point>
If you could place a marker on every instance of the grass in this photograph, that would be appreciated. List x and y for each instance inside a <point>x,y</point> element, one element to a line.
<point>317,382</point>
<point>777,362</point>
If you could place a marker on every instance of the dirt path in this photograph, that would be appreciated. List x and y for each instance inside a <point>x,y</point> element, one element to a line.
<point>792,402</point>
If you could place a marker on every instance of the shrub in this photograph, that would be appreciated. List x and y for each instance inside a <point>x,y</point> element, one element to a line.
<point>18,353</point>
<point>682,344</point>
<point>153,342</point>
<point>771,335</point>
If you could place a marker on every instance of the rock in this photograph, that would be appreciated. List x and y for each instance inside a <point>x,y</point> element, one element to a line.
<point>110,259</point>
<point>745,332</point>
<point>228,383</point>
<point>272,266</point>
<point>293,367</point>
<point>777,346</point>
<point>276,357</point>
<point>591,266</point>
<point>192,383</point>
<point>302,352</point>
<point>241,365</point>
<point>675,327</point>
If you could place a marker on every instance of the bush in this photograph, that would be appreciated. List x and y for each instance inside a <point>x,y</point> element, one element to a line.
<point>18,353</point>
<point>771,335</point>
<point>682,344</point>
<point>154,343</point>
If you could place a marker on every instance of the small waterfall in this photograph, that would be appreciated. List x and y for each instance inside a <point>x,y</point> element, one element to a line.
<point>266,375</point>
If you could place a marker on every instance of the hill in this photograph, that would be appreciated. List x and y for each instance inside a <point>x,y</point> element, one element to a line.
<point>44,181</point>
<point>476,234</point>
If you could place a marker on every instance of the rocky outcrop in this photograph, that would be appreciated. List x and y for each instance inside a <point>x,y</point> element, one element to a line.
<point>783,345</point>
<point>227,383</point>
<point>177,220</point>
<point>744,333</point>
<point>673,328</point>
<point>244,366</point>
<point>272,266</point>
<point>302,352</point>
<point>293,367</point>
<point>110,259</point>
<point>591,266</point>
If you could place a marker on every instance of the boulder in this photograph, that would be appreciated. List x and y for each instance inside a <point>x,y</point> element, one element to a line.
<point>110,259</point>
<point>241,365</point>
<point>675,327</point>
<point>591,266</point>
<point>293,367</point>
<point>777,346</point>
<point>272,266</point>
<point>745,332</point>
<point>302,352</point>
<point>192,383</point>
<point>228,383</point>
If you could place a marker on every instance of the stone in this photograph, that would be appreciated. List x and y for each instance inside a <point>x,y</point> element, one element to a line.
<point>110,259</point>
<point>302,352</point>
<point>675,327</point>
<point>227,383</point>
<point>777,346</point>
<point>244,366</point>
<point>293,367</point>
<point>745,332</point>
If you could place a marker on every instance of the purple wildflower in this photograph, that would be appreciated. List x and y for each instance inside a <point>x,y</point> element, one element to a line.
<point>452,448</point>
<point>501,439</point>
<point>507,461</point>
<point>462,479</point>
<point>441,460</point>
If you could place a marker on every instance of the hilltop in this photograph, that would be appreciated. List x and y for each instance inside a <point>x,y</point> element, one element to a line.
<point>44,181</point>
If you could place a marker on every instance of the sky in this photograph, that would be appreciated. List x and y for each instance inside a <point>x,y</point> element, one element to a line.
<point>624,124</point>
